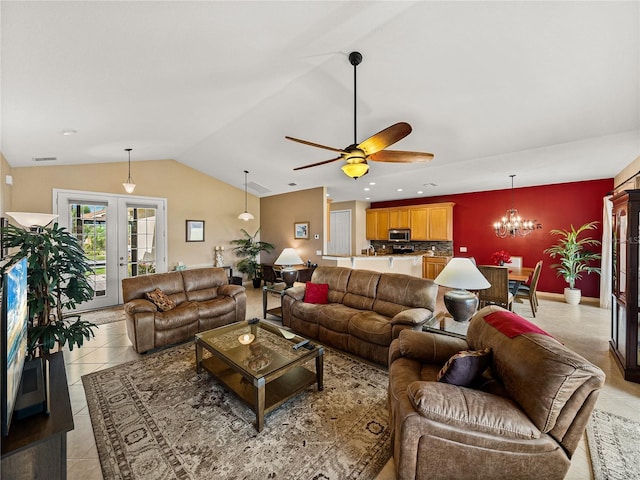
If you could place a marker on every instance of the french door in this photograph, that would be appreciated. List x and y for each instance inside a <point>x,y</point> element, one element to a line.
<point>123,236</point>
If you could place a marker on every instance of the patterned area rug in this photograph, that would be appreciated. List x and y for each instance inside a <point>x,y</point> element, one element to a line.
<point>157,419</point>
<point>104,315</point>
<point>614,446</point>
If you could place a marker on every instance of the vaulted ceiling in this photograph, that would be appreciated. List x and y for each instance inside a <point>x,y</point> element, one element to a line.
<point>548,91</point>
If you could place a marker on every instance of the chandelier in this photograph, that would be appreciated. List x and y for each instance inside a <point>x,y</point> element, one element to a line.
<point>512,225</point>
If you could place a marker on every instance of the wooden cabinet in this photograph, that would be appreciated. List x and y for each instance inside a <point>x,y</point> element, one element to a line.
<point>399,218</point>
<point>441,222</point>
<point>419,224</point>
<point>427,222</point>
<point>377,224</point>
<point>432,266</point>
<point>625,314</point>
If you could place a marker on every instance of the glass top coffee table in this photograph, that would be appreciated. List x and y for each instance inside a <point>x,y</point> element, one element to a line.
<point>257,361</point>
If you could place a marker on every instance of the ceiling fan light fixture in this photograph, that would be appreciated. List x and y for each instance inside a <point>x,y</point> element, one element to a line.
<point>355,170</point>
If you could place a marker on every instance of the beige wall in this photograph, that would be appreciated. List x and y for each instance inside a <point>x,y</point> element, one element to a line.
<point>191,195</point>
<point>5,190</point>
<point>278,213</point>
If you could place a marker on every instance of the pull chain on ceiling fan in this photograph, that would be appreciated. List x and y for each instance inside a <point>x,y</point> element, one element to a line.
<point>373,148</point>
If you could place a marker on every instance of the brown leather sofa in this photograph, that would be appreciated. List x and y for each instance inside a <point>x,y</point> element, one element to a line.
<point>523,419</point>
<point>366,309</point>
<point>203,298</point>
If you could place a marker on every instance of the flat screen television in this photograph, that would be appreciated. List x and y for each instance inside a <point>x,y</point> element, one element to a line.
<point>15,317</point>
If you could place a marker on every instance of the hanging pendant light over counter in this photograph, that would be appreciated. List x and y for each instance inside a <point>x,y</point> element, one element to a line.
<point>246,216</point>
<point>129,186</point>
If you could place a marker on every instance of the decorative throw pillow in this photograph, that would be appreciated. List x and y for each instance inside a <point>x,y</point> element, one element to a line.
<point>316,293</point>
<point>465,367</point>
<point>160,299</point>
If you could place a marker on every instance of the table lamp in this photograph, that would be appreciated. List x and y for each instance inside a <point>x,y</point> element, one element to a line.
<point>287,259</point>
<point>461,275</point>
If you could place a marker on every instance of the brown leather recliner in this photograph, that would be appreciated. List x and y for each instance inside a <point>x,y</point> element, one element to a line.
<point>203,298</point>
<point>523,419</point>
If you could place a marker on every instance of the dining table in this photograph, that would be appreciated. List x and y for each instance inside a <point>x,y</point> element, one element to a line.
<point>518,276</point>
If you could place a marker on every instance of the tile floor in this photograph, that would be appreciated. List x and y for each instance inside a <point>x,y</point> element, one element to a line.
<point>584,329</point>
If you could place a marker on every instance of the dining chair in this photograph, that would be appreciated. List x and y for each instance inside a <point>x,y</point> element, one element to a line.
<point>269,274</point>
<point>498,293</point>
<point>515,262</point>
<point>530,291</point>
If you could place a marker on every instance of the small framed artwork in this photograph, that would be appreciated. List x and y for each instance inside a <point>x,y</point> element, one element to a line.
<point>301,230</point>
<point>195,230</point>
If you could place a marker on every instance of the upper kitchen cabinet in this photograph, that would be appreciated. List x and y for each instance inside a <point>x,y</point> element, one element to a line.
<point>427,222</point>
<point>399,218</point>
<point>377,224</point>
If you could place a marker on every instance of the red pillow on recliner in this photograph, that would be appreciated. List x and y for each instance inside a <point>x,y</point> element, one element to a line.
<point>316,293</point>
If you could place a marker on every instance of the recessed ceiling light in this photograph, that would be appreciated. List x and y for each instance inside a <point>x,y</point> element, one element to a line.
<point>420,192</point>
<point>366,189</point>
<point>328,194</point>
<point>69,131</point>
<point>399,190</point>
<point>367,198</point>
<point>372,183</point>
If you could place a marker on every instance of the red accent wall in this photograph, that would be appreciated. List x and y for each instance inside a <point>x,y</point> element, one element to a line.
<point>555,206</point>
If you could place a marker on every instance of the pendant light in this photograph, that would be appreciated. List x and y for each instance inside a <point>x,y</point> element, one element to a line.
<point>246,216</point>
<point>129,186</point>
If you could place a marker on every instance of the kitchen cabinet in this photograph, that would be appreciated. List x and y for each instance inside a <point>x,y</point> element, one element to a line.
<point>419,224</point>
<point>432,266</point>
<point>377,224</point>
<point>441,222</point>
<point>399,218</point>
<point>625,314</point>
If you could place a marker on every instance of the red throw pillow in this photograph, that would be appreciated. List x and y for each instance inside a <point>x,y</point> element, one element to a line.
<point>316,293</point>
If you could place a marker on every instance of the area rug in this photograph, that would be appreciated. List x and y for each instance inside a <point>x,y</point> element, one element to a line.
<point>104,315</point>
<point>614,446</point>
<point>156,418</point>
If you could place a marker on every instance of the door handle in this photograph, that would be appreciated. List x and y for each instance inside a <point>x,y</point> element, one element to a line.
<point>123,264</point>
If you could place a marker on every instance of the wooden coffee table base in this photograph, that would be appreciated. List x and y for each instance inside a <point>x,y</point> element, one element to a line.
<point>262,394</point>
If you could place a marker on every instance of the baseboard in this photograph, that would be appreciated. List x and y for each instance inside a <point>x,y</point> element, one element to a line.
<point>559,297</point>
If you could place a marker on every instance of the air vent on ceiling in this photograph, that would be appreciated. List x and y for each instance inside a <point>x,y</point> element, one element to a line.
<point>45,159</point>
<point>257,187</point>
<point>292,184</point>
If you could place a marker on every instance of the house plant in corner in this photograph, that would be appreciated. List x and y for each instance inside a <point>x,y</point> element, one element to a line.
<point>56,282</point>
<point>248,248</point>
<point>574,258</point>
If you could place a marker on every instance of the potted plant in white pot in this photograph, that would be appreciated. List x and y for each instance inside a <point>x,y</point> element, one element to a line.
<point>248,249</point>
<point>574,258</point>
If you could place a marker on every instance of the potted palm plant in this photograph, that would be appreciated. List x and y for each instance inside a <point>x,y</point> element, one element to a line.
<point>574,258</point>
<point>57,282</point>
<point>248,248</point>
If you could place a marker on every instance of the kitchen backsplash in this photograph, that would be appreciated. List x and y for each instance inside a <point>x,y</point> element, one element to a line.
<point>442,249</point>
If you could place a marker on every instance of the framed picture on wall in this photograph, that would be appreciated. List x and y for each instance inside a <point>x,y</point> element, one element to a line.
<point>195,230</point>
<point>301,230</point>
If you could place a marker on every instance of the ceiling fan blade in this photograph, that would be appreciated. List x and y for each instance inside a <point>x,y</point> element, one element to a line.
<point>401,157</point>
<point>315,144</point>
<point>319,163</point>
<point>386,137</point>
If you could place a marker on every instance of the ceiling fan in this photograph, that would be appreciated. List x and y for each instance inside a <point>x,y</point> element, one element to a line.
<point>373,148</point>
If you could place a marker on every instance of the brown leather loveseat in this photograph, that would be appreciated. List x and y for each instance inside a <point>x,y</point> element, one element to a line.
<point>366,310</point>
<point>203,300</point>
<point>522,417</point>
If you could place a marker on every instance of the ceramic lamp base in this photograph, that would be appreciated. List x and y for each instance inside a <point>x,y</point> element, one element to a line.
<point>289,276</point>
<point>461,304</point>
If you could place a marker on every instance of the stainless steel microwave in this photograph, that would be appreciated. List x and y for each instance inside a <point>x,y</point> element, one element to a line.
<point>399,235</point>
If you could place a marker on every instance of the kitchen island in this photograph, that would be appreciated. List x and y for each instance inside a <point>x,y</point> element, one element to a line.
<point>408,264</point>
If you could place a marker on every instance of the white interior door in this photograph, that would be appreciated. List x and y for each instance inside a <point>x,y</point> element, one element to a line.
<point>123,236</point>
<point>340,224</point>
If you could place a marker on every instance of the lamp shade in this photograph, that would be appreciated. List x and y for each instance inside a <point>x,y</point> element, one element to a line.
<point>246,216</point>
<point>355,170</point>
<point>28,219</point>
<point>290,257</point>
<point>462,273</point>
